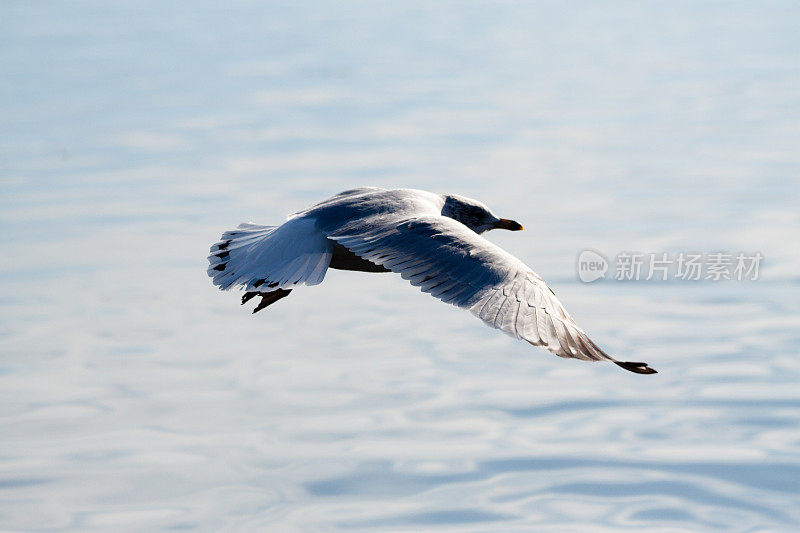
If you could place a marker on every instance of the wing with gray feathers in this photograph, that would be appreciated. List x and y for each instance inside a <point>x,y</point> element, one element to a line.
<point>449,261</point>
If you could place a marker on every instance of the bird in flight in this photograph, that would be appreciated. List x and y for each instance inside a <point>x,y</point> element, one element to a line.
<point>432,240</point>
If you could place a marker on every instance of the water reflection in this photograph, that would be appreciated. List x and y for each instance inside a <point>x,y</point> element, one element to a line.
<point>132,395</point>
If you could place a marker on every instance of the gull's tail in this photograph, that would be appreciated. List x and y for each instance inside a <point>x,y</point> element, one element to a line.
<point>270,260</point>
<point>228,260</point>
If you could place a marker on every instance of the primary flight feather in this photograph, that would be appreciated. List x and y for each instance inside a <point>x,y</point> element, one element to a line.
<point>432,240</point>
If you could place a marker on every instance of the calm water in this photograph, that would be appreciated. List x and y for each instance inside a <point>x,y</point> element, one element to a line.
<point>134,396</point>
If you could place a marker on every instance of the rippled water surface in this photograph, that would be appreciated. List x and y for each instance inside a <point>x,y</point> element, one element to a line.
<point>134,396</point>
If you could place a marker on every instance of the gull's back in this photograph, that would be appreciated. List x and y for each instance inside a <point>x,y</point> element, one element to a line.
<point>367,206</point>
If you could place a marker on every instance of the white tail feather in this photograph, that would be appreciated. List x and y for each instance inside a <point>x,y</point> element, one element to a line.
<point>267,258</point>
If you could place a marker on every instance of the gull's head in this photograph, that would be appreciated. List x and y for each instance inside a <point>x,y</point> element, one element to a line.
<point>475,215</point>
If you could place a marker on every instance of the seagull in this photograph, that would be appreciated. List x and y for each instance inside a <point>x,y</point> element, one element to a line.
<point>432,240</point>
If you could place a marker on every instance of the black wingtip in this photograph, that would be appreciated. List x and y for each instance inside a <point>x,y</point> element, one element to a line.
<point>638,368</point>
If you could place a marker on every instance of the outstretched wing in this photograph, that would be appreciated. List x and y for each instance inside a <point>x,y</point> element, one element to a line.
<point>449,261</point>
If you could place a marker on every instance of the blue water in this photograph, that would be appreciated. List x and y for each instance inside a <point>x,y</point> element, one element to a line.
<point>134,396</point>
